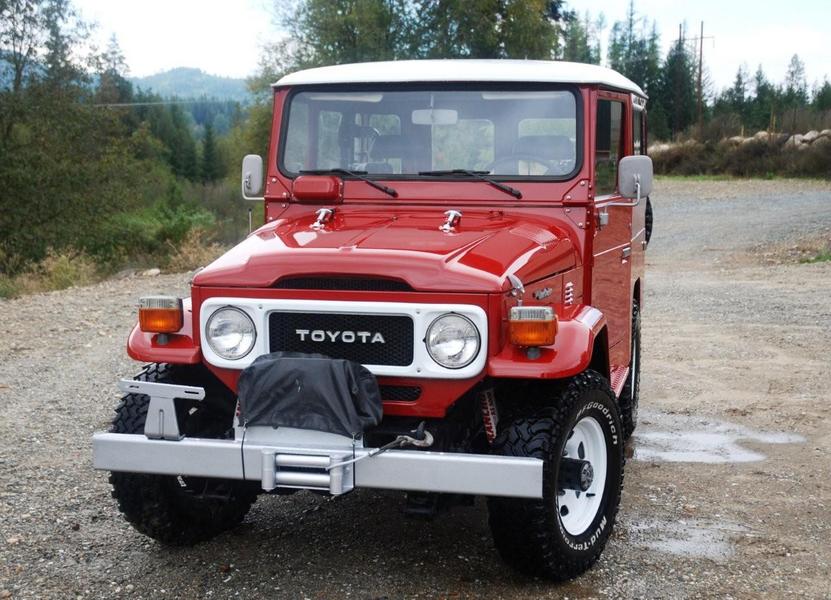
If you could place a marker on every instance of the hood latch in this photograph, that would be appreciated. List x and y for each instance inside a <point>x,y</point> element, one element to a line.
<point>324,215</point>
<point>454,217</point>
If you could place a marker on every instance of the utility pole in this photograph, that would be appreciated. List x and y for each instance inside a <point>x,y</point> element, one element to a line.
<point>700,91</point>
<point>700,65</point>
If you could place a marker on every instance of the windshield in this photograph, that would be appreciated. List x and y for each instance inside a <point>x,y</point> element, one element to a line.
<point>383,132</point>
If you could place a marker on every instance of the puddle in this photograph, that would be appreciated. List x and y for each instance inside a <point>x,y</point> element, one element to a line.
<point>691,538</point>
<point>681,438</point>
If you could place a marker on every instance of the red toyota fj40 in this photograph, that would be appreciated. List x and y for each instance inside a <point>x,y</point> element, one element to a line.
<point>444,299</point>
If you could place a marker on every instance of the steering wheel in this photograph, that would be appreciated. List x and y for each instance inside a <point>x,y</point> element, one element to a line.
<point>515,158</point>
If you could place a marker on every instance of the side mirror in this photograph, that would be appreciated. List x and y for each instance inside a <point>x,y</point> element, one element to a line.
<point>634,178</point>
<point>252,177</point>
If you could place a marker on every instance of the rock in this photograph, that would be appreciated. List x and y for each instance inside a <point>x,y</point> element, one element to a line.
<point>809,137</point>
<point>5,594</point>
<point>151,272</point>
<point>825,133</point>
<point>124,274</point>
<point>761,135</point>
<point>794,140</point>
<point>822,141</point>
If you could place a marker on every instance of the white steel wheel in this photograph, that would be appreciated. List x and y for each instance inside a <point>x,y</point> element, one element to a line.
<point>582,476</point>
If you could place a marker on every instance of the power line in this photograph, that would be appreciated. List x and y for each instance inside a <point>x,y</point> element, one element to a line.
<point>163,103</point>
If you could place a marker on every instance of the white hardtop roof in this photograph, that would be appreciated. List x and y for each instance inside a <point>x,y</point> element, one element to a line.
<point>478,70</point>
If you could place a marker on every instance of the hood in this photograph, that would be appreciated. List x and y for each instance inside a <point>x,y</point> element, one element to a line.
<point>399,243</point>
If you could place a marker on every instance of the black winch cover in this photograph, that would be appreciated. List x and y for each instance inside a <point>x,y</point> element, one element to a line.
<point>309,391</point>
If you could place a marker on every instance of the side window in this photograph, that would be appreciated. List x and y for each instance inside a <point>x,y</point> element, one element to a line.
<point>296,155</point>
<point>608,146</point>
<point>637,131</point>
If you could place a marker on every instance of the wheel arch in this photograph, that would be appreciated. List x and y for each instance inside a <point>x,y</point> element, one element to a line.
<point>581,339</point>
<point>178,348</point>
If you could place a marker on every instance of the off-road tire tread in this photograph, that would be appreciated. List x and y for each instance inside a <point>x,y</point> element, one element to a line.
<point>146,500</point>
<point>629,402</point>
<point>523,530</point>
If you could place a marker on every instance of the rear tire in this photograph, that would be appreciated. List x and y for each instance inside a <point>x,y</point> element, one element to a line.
<point>174,510</point>
<point>632,388</point>
<point>563,535</point>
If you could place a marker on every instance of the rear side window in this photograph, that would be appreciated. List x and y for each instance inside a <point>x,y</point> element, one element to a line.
<point>608,146</point>
<point>637,131</point>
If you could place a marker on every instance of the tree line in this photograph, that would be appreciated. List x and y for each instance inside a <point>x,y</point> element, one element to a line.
<point>88,164</point>
<point>323,32</point>
<point>94,167</point>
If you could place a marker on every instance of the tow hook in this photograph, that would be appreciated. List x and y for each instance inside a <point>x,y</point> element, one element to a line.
<point>419,438</point>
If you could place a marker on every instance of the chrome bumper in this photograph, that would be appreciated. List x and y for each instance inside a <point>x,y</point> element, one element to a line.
<point>299,467</point>
<point>302,459</point>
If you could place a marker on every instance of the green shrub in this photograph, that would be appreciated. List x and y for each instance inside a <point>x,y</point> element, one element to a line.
<point>753,158</point>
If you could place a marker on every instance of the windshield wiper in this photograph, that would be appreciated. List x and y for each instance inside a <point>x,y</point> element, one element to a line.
<point>356,174</point>
<point>482,175</point>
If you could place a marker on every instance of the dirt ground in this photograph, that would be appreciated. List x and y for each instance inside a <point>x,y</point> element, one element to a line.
<point>728,486</point>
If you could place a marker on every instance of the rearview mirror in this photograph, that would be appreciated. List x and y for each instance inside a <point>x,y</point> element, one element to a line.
<point>435,116</point>
<point>635,177</point>
<point>252,177</point>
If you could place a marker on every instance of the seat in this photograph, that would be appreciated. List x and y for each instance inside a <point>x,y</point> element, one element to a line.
<point>549,147</point>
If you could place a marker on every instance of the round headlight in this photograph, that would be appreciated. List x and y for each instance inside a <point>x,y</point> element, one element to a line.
<point>230,333</point>
<point>452,341</point>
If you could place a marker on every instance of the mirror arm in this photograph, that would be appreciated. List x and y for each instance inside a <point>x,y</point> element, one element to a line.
<point>246,185</point>
<point>637,197</point>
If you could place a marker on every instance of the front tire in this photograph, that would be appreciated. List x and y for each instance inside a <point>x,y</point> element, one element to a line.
<point>179,511</point>
<point>563,535</point>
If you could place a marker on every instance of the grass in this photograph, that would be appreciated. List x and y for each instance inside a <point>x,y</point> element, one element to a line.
<point>697,178</point>
<point>61,270</point>
<point>821,256</point>
<point>58,271</point>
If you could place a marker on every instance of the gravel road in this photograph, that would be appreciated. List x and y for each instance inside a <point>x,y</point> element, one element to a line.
<point>728,489</point>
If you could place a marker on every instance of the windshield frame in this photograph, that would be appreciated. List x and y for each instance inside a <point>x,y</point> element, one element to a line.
<point>467,86</point>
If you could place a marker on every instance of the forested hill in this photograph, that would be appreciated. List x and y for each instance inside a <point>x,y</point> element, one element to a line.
<point>185,82</point>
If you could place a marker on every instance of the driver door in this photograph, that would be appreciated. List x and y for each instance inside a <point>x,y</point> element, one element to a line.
<point>611,273</point>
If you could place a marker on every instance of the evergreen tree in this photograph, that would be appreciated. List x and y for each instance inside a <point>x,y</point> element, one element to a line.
<point>763,107</point>
<point>113,87</point>
<point>796,87</point>
<point>677,93</point>
<point>581,41</point>
<point>63,31</point>
<point>211,167</point>
<point>635,52</point>
<point>822,97</point>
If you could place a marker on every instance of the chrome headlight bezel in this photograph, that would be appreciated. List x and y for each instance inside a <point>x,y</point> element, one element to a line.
<point>248,333</point>
<point>468,355</point>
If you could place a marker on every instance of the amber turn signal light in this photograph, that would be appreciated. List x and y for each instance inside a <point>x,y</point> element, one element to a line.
<point>532,326</point>
<point>160,314</point>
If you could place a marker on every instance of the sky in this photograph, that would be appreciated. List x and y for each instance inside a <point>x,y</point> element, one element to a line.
<point>225,38</point>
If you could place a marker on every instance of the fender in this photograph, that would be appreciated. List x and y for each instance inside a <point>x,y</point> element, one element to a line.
<point>571,353</point>
<point>180,348</point>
